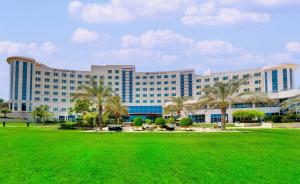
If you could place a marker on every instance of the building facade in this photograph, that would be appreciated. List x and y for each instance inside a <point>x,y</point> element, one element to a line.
<point>144,93</point>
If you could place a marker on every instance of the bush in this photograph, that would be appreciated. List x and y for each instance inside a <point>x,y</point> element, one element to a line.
<point>138,121</point>
<point>160,121</point>
<point>170,120</point>
<point>89,119</point>
<point>276,119</point>
<point>149,121</point>
<point>68,126</point>
<point>184,122</point>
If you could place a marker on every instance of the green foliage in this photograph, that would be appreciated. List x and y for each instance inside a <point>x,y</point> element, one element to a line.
<point>138,121</point>
<point>82,105</point>
<point>68,126</point>
<point>288,118</point>
<point>41,113</point>
<point>170,120</point>
<point>1,100</point>
<point>185,122</point>
<point>89,119</point>
<point>116,109</point>
<point>5,111</point>
<point>160,121</point>
<point>149,121</point>
<point>248,116</point>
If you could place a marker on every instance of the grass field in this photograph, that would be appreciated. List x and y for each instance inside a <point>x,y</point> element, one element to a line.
<point>47,155</point>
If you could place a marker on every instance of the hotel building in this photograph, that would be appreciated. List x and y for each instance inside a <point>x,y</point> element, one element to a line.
<point>145,93</point>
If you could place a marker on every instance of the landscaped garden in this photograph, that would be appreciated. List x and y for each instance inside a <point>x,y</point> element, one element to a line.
<point>39,154</point>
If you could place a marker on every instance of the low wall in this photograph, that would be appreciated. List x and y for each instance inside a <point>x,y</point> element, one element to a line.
<point>247,124</point>
<point>11,120</point>
<point>285,125</point>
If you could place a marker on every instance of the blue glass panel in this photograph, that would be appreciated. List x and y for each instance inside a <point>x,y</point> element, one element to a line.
<point>145,109</point>
<point>24,81</point>
<point>31,70</point>
<point>17,81</point>
<point>274,80</point>
<point>291,79</point>
<point>285,79</point>
<point>266,82</point>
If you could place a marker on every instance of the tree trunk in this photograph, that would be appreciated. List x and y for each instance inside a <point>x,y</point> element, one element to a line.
<point>100,117</point>
<point>5,115</point>
<point>223,119</point>
<point>118,120</point>
<point>178,114</point>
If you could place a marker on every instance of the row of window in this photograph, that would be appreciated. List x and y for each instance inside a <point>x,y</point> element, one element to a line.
<point>158,89</point>
<point>215,79</point>
<point>157,76</point>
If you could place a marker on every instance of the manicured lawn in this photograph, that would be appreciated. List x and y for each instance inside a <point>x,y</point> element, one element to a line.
<point>48,155</point>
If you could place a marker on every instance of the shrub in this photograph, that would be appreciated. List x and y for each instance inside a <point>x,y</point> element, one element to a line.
<point>170,120</point>
<point>277,119</point>
<point>160,121</point>
<point>89,119</point>
<point>149,121</point>
<point>138,121</point>
<point>68,125</point>
<point>184,122</point>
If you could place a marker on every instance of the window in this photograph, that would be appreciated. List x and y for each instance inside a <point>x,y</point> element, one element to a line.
<point>117,83</point>
<point>80,82</point>
<point>257,74</point>
<point>246,76</point>
<point>47,86</point>
<point>152,77</point>
<point>37,79</point>
<point>72,81</point>
<point>151,89</point>
<point>137,89</point>
<point>166,95</point>
<point>37,92</point>
<point>63,93</point>
<point>144,89</point>
<point>274,80</point>
<point>258,89</point>
<point>109,77</point>
<point>173,76</point>
<point>109,71</point>
<point>144,77</point>
<point>63,87</point>
<point>37,99</point>
<point>63,100</point>
<point>198,93</point>
<point>137,83</point>
<point>55,93</point>
<point>173,94</point>
<point>246,90</point>
<point>144,83</point>
<point>257,82</point>
<point>117,71</point>
<point>198,87</point>
<point>55,80</point>
<point>46,92</point>
<point>144,95</point>
<point>225,78</point>
<point>72,75</point>
<point>38,72</point>
<point>166,76</point>
<point>166,82</point>
<point>198,80</point>
<point>158,89</point>
<point>117,89</point>
<point>173,88</point>
<point>159,76</point>
<point>56,74</point>
<point>64,81</point>
<point>55,100</point>
<point>46,99</point>
<point>158,95</point>
<point>235,77</point>
<point>151,95</point>
<point>206,80</point>
<point>64,75</point>
<point>166,88</point>
<point>151,83</point>
<point>173,82</point>
<point>137,77</point>
<point>117,77</point>
<point>285,79</point>
<point>79,76</point>
<point>137,95</point>
<point>216,79</point>
<point>47,73</point>
<point>55,87</point>
<point>158,82</point>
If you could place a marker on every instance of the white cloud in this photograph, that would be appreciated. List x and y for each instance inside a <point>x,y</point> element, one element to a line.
<point>210,14</point>
<point>33,49</point>
<point>270,3</point>
<point>215,48</point>
<point>121,11</point>
<point>154,39</point>
<point>82,35</point>
<point>194,13</point>
<point>171,41</point>
<point>293,47</point>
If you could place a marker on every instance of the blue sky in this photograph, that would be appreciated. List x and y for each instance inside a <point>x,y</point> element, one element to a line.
<point>216,35</point>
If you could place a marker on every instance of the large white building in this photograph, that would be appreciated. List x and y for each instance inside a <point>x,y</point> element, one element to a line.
<point>145,93</point>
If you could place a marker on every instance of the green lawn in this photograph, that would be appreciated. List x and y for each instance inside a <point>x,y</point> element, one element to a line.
<point>47,155</point>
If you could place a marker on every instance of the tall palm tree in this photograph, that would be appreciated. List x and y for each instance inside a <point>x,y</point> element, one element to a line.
<point>95,93</point>
<point>115,107</point>
<point>291,104</point>
<point>222,95</point>
<point>177,105</point>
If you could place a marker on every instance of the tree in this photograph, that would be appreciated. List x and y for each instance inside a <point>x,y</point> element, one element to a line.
<point>82,106</point>
<point>138,121</point>
<point>160,121</point>
<point>97,94</point>
<point>42,113</point>
<point>115,107</point>
<point>5,111</point>
<point>177,106</point>
<point>248,115</point>
<point>1,100</point>
<point>222,95</point>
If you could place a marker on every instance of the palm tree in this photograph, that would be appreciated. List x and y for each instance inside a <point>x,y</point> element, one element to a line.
<point>291,104</point>
<point>177,106</point>
<point>5,111</point>
<point>222,95</point>
<point>115,107</point>
<point>41,113</point>
<point>95,93</point>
